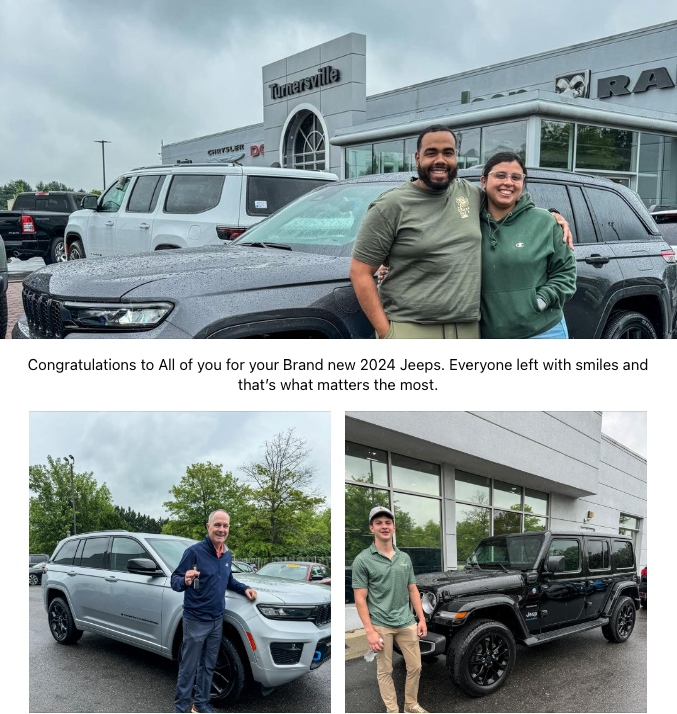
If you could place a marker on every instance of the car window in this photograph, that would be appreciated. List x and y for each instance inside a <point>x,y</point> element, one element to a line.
<point>324,221</point>
<point>615,219</point>
<point>93,553</point>
<point>170,550</point>
<point>570,549</point>
<point>123,550</point>
<point>267,194</point>
<point>24,203</point>
<point>583,228</point>
<point>144,196</point>
<point>193,193</point>
<point>598,554</point>
<point>291,571</point>
<point>65,554</point>
<point>622,554</point>
<point>111,201</point>
<point>52,203</point>
<point>551,195</point>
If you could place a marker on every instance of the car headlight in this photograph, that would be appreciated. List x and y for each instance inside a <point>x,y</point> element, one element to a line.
<point>130,316</point>
<point>286,612</point>
<point>428,602</point>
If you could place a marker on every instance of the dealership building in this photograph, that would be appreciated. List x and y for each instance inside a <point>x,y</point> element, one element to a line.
<point>606,107</point>
<point>452,478</point>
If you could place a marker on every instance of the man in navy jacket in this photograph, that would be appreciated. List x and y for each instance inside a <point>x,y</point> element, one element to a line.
<point>203,575</point>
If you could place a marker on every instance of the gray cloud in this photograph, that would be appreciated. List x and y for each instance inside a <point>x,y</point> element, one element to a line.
<point>141,455</point>
<point>77,71</point>
<point>627,428</point>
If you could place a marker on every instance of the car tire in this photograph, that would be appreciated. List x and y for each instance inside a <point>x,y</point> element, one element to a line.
<point>76,251</point>
<point>3,316</point>
<point>627,325</point>
<point>33,579</point>
<point>57,252</point>
<point>61,623</point>
<point>621,622</point>
<point>480,659</point>
<point>229,674</point>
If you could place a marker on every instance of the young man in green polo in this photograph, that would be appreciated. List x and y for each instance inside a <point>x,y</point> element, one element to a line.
<point>384,585</point>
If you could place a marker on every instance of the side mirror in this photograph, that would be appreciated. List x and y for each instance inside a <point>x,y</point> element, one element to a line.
<point>555,564</point>
<point>90,201</point>
<point>143,566</point>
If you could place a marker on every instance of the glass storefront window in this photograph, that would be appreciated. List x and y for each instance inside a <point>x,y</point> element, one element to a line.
<point>418,524</point>
<point>511,136</point>
<point>507,522</point>
<point>507,496</point>
<point>389,157</point>
<point>472,524</point>
<point>472,488</point>
<point>535,501</point>
<point>359,501</point>
<point>606,149</point>
<point>414,475</point>
<point>366,465</point>
<point>557,141</point>
<point>359,161</point>
<point>468,147</point>
<point>534,523</point>
<point>410,153</point>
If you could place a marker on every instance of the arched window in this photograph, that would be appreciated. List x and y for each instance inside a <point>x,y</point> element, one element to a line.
<point>305,142</point>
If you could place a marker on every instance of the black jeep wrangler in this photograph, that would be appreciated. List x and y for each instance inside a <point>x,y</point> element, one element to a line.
<point>526,588</point>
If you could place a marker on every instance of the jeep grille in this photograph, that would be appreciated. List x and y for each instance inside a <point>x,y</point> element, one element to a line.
<point>322,615</point>
<point>43,313</point>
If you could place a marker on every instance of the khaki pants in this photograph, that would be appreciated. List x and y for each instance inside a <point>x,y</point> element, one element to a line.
<point>449,331</point>
<point>407,641</point>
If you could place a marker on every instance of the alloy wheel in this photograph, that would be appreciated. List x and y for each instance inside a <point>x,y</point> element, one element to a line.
<point>489,660</point>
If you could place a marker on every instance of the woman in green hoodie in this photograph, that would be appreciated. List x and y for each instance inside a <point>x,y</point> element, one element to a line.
<point>528,272</point>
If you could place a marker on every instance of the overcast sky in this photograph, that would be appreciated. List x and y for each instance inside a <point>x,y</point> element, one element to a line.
<point>141,455</point>
<point>136,73</point>
<point>627,428</point>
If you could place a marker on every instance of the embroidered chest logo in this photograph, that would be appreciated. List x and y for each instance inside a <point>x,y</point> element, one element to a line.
<point>519,245</point>
<point>463,206</point>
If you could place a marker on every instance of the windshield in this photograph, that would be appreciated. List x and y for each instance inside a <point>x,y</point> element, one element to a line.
<point>171,550</point>
<point>516,552</point>
<point>324,221</point>
<point>291,571</point>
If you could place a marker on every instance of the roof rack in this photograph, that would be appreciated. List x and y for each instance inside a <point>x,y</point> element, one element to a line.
<point>173,166</point>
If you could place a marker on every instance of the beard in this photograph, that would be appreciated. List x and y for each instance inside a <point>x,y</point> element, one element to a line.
<point>424,175</point>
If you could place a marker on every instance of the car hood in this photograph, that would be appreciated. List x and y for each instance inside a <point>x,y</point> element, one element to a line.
<point>278,591</point>
<point>174,273</point>
<point>464,582</point>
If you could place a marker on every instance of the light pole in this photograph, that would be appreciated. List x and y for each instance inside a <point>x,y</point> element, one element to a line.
<point>103,158</point>
<point>72,461</point>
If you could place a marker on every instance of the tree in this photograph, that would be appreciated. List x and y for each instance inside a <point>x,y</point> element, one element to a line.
<point>51,510</point>
<point>139,522</point>
<point>203,489</point>
<point>282,493</point>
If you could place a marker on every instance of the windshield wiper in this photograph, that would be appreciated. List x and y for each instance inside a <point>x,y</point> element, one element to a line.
<point>261,244</point>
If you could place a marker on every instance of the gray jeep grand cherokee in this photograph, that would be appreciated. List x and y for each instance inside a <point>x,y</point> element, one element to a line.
<point>287,277</point>
<point>117,584</point>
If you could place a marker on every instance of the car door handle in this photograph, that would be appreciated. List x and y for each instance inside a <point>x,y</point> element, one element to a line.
<point>597,259</point>
<point>145,226</point>
<point>111,579</point>
<point>109,223</point>
<point>71,573</point>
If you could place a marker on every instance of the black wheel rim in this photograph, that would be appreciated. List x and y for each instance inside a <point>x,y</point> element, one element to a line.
<point>489,660</point>
<point>58,621</point>
<point>626,620</point>
<point>224,675</point>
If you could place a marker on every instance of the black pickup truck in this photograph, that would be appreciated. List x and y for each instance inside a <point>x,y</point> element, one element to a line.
<point>35,226</point>
<point>526,588</point>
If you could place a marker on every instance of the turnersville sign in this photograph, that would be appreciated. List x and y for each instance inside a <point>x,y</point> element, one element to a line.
<point>323,76</point>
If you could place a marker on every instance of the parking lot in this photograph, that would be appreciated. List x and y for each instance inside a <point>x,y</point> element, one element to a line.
<point>101,675</point>
<point>580,673</point>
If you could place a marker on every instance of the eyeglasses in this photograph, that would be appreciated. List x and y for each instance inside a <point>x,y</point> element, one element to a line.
<point>503,175</point>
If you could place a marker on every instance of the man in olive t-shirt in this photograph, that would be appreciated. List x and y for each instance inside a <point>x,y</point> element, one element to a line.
<point>384,584</point>
<point>428,232</point>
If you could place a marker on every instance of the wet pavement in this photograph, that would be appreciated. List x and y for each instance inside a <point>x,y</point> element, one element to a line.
<point>18,270</point>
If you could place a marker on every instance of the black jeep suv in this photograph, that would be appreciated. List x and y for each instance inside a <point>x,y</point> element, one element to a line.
<point>526,588</point>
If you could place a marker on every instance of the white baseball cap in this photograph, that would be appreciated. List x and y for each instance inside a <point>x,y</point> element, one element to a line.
<point>377,510</point>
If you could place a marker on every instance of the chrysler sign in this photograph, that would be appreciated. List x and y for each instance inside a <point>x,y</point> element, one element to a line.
<point>323,76</point>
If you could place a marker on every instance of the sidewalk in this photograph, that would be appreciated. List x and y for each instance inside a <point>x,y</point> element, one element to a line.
<point>15,307</point>
<point>356,639</point>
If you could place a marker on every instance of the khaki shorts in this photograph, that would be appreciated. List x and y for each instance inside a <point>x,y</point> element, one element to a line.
<point>448,331</point>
